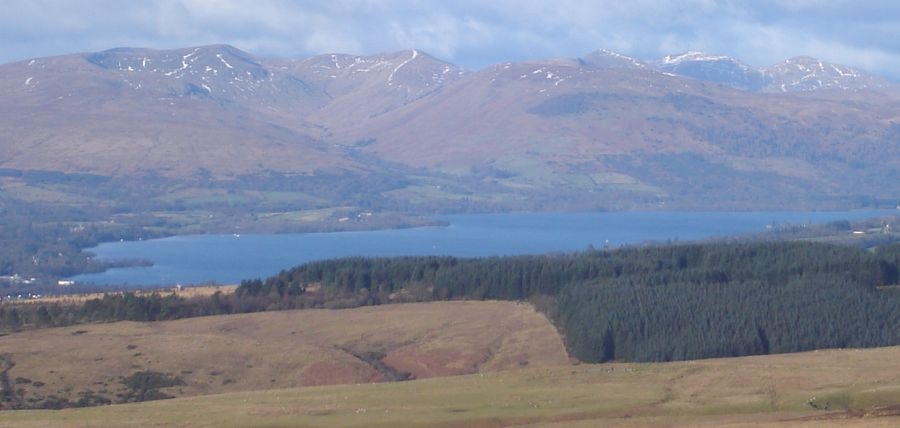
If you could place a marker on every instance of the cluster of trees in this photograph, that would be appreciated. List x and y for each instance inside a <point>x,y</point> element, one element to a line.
<point>651,319</point>
<point>654,303</point>
<point>156,306</point>
<point>111,307</point>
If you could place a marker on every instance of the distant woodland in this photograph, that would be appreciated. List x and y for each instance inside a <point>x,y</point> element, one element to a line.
<point>45,243</point>
<point>658,303</point>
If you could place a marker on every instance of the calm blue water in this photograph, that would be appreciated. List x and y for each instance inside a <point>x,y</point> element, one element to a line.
<point>228,259</point>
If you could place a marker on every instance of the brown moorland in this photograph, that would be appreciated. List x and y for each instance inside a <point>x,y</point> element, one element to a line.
<point>284,349</point>
<point>832,388</point>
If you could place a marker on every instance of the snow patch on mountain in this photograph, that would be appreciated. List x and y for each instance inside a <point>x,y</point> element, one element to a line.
<point>390,79</point>
<point>810,74</point>
<point>693,56</point>
<point>603,58</point>
<point>798,74</point>
<point>720,69</point>
<point>227,64</point>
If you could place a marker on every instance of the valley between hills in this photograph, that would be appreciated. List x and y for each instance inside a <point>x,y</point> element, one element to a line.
<point>135,143</point>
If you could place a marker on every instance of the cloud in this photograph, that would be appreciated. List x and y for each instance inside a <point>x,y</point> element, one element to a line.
<point>471,33</point>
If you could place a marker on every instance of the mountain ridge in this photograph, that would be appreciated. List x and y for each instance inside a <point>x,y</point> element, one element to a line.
<point>665,63</point>
<point>603,127</point>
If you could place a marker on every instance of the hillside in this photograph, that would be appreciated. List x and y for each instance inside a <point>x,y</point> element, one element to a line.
<point>836,388</point>
<point>652,136</point>
<point>272,350</point>
<point>604,131</point>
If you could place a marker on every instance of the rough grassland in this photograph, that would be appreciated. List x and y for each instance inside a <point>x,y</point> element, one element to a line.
<point>282,349</point>
<point>777,391</point>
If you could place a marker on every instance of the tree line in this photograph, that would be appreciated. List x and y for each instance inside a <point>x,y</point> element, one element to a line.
<point>132,306</point>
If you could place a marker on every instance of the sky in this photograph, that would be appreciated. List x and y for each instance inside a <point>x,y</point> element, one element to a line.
<point>468,33</point>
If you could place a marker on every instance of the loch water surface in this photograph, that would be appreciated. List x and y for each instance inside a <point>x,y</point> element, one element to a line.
<point>227,259</point>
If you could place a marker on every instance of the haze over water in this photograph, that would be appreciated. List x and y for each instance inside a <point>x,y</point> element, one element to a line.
<point>229,259</point>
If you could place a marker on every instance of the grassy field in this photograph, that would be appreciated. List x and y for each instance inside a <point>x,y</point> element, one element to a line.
<point>283,349</point>
<point>850,388</point>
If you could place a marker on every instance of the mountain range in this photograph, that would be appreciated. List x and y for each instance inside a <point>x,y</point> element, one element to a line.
<point>604,130</point>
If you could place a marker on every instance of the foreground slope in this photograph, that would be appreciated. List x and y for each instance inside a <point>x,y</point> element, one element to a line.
<point>814,389</point>
<point>277,350</point>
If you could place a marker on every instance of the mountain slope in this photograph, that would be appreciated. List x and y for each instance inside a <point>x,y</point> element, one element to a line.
<point>559,124</point>
<point>809,74</point>
<point>606,130</point>
<point>172,113</point>
<point>798,74</point>
<point>362,87</point>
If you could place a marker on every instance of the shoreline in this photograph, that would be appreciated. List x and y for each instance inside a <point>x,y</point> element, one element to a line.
<point>438,244</point>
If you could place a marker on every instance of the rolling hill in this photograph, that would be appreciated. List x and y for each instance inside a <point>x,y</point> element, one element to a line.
<point>231,353</point>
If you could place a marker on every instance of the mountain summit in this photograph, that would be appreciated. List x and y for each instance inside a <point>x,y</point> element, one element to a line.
<point>713,68</point>
<point>799,74</point>
<point>809,74</point>
<point>609,59</point>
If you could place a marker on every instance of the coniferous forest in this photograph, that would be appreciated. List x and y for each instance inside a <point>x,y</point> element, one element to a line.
<point>657,303</point>
<point>654,303</point>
